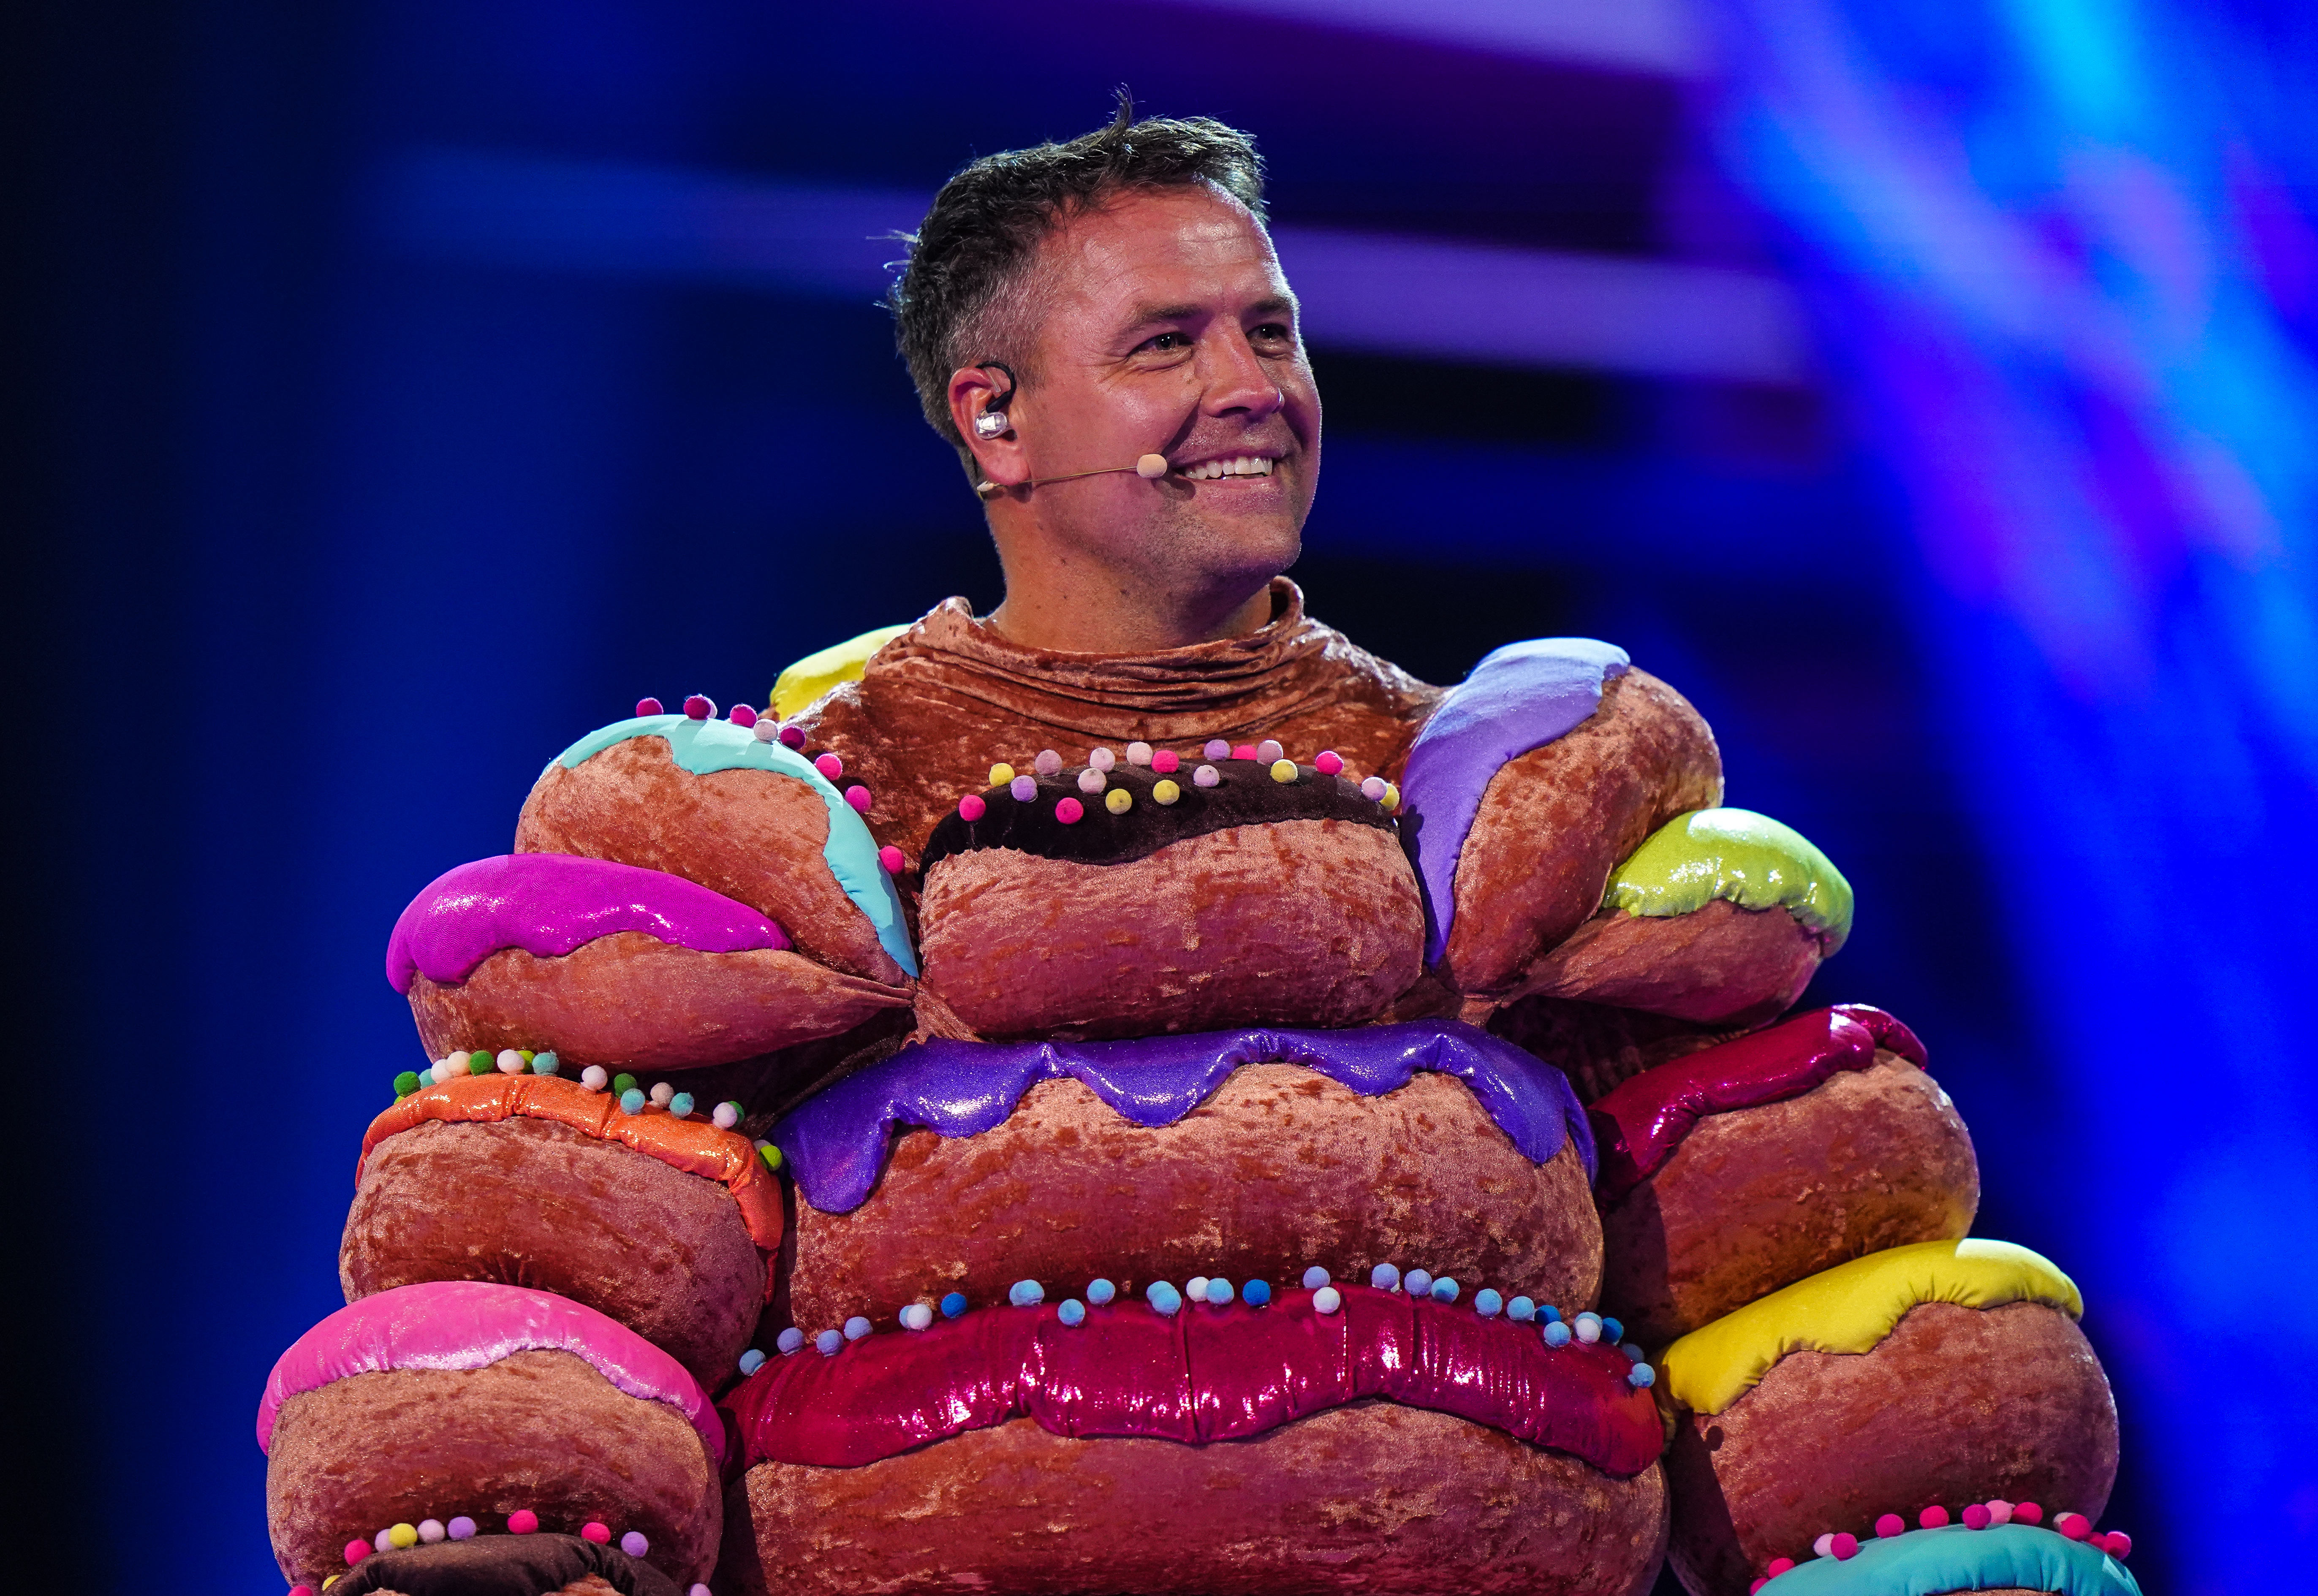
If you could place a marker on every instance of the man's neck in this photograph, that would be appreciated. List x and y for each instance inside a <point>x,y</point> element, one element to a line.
<point>1107,616</point>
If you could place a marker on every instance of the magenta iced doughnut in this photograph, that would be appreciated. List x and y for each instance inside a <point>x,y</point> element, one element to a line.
<point>747,818</point>
<point>612,964</point>
<point>510,1408</point>
<point>1341,1438</point>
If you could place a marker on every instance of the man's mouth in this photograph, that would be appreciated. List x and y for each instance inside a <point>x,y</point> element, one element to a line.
<point>1243,465</point>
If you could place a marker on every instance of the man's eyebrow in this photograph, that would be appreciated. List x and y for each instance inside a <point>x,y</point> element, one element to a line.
<point>1143,315</point>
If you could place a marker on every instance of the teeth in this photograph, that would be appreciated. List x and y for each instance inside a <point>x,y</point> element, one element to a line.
<point>1244,465</point>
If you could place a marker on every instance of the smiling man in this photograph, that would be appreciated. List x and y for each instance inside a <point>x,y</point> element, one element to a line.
<point>1104,332</point>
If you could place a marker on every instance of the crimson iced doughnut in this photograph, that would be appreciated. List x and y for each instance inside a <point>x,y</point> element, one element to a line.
<point>959,1166</point>
<point>1745,1167</point>
<point>508,1409</point>
<point>1163,892</point>
<point>1937,1375</point>
<point>1330,1438</point>
<point>632,1201</point>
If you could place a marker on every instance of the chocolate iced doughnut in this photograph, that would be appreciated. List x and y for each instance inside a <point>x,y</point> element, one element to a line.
<point>1276,1169</point>
<point>1253,902</point>
<point>744,817</point>
<point>670,1251</point>
<point>1939,1374</point>
<point>540,1564</point>
<point>1360,1442</point>
<point>461,1399</point>
<point>1749,1166</point>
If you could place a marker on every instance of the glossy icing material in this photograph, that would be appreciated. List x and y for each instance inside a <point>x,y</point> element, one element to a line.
<point>1638,1126</point>
<point>1922,1562</point>
<point>548,904</point>
<point>796,687</point>
<point>835,1143</point>
<point>1746,858</point>
<point>1204,1374</point>
<point>703,747</point>
<point>467,1324</point>
<point>693,1145</point>
<point>1518,698</point>
<point>1851,1308</point>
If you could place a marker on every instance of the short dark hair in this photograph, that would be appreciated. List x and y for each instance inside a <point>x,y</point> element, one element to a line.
<point>951,302</point>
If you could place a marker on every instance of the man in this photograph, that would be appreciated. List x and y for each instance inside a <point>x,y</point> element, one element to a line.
<point>1066,311</point>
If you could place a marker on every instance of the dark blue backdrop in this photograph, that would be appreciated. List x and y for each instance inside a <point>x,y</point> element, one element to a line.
<point>366,476</point>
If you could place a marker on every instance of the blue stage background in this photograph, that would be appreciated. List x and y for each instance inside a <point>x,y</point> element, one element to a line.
<point>1925,388</point>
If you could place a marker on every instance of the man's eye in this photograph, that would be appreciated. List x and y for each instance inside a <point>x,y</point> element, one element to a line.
<point>1168,342</point>
<point>1272,332</point>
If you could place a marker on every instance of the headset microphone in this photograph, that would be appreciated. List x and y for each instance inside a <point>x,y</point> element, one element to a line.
<point>1150,468</point>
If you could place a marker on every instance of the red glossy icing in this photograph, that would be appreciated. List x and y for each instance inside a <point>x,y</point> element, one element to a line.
<point>1205,1374</point>
<point>1638,1126</point>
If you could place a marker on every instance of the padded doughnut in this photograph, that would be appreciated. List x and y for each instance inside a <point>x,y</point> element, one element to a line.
<point>1164,1158</point>
<point>1749,1166</point>
<point>1389,1446</point>
<point>746,817</point>
<point>461,1399</point>
<point>1254,902</point>
<point>664,1225</point>
<point>1940,1373</point>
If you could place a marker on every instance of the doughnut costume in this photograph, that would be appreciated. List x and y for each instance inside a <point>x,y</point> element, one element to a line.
<point>1235,1118</point>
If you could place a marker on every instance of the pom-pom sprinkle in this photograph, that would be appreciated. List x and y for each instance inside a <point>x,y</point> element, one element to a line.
<point>430,1530</point>
<point>1372,789</point>
<point>971,807</point>
<point>1444,1290</point>
<point>1385,1278</point>
<point>859,797</point>
<point>1070,812</point>
<point>953,1305</point>
<point>743,716</point>
<point>1047,763</point>
<point>1022,789</point>
<point>1934,1517</point>
<point>1269,750</point>
<point>792,737</point>
<point>597,1530</point>
<point>917,1316</point>
<point>1327,1300</point>
<point>1315,1277</point>
<point>1099,1292</point>
<point>829,765</point>
<point>521,1521</point>
<point>1026,1294</point>
<point>1976,1517</point>
<point>1488,1304</point>
<point>1102,758</point>
<point>1163,793</point>
<point>463,1528</point>
<point>1889,1525</point>
<point>1138,753</point>
<point>828,1342</point>
<point>1163,762</point>
<point>1118,801</point>
<point>1163,1297</point>
<point>634,1544</point>
<point>1217,749</point>
<point>1206,776</point>
<point>1283,771</point>
<point>595,1078</point>
<point>1001,774</point>
<point>1557,1334</point>
<point>752,1362</point>
<point>700,707</point>
<point>1091,781</point>
<point>1417,1283</point>
<point>648,707</point>
<point>1520,1310</point>
<point>790,1341</point>
<point>1255,1293</point>
<point>1072,1311</point>
<point>1328,762</point>
<point>855,1328</point>
<point>891,860</point>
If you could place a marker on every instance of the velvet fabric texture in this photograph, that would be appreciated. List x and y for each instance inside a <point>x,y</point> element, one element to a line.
<point>1376,1498</point>
<point>940,705</point>
<point>1281,1168</point>
<point>541,1430</point>
<point>1957,1405</point>
<point>541,1204</point>
<point>1760,1198</point>
<point>632,1001</point>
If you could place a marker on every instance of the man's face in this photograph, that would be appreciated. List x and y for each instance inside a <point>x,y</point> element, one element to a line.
<point>1169,329</point>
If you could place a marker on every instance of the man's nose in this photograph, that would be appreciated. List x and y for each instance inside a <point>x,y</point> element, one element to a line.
<point>1237,380</point>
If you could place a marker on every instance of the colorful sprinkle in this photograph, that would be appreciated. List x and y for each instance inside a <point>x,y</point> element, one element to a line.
<point>1091,781</point>
<point>1417,1282</point>
<point>859,797</point>
<point>478,1062</point>
<point>1245,750</point>
<point>1163,762</point>
<point>661,1094</point>
<point>789,1340</point>
<point>1779,1565</point>
<point>521,1521</point>
<point>631,1101</point>
<point>1163,1297</point>
<point>1195,1288</point>
<point>1163,793</point>
<point>726,1116</point>
<point>1641,1376</point>
<point>1328,762</point>
<point>1548,1313</point>
<point>917,1316</point>
<point>1976,1517</point>
<point>1026,1294</point>
<point>595,1078</point>
<point>1385,1278</point>
<point>1520,1310</point>
<point>1255,1293</point>
<point>1219,1291</point>
<point>356,1550</point>
<point>681,1104</point>
<point>1099,1292</point>
<point>1069,811</point>
<point>426,1078</point>
<point>1217,749</point>
<point>624,1082</point>
<point>1589,1327</point>
<point>1611,1331</point>
<point>700,707</point>
<point>463,1528</point>
<point>1118,801</point>
<point>1138,753</point>
<point>971,808</point>
<point>2027,1512</point>
<point>1315,1277</point>
<point>855,1328</point>
<point>829,765</point>
<point>1557,1334</point>
<point>597,1530</point>
<point>1823,1545</point>
<point>828,1342</point>
<point>2075,1526</point>
<point>1373,788</point>
<point>892,860</point>
<point>1391,799</point>
<point>1999,1511</point>
<point>742,715</point>
<point>1023,788</point>
<point>766,731</point>
<point>648,707</point>
<point>953,1305</point>
<point>752,1362</point>
<point>1632,1350</point>
<point>1488,1304</point>
<point>406,1083</point>
<point>430,1530</point>
<point>1047,763</point>
<point>1844,1545</point>
<point>1101,758</point>
<point>1206,776</point>
<point>1933,1518</point>
<point>634,1544</point>
<point>1269,751</point>
<point>1889,1525</point>
<point>1072,1311</point>
<point>545,1063</point>
<point>1327,1300</point>
<point>2118,1544</point>
<point>792,737</point>
<point>1444,1290</point>
<point>1000,775</point>
<point>1283,771</point>
<point>770,1154</point>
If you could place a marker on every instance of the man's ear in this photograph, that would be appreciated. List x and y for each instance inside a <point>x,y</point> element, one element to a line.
<point>972,392</point>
